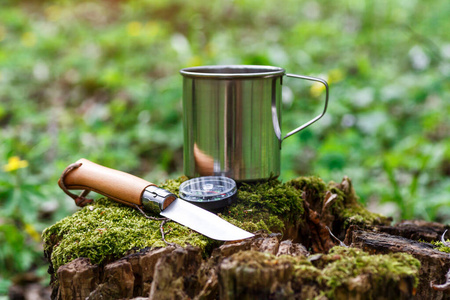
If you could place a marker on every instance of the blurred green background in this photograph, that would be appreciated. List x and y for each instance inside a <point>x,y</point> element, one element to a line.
<point>99,79</point>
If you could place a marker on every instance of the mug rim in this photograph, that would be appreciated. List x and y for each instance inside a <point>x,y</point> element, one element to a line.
<point>232,71</point>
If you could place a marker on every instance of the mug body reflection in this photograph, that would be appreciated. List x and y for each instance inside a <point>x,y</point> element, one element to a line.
<point>231,119</point>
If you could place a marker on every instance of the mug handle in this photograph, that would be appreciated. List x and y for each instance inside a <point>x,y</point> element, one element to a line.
<point>324,109</point>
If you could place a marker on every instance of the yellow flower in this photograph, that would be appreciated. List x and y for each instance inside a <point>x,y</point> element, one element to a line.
<point>335,75</point>
<point>28,39</point>
<point>195,61</point>
<point>134,28</point>
<point>32,232</point>
<point>316,89</point>
<point>14,163</point>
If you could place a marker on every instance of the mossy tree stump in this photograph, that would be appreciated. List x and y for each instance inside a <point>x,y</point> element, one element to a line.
<point>109,251</point>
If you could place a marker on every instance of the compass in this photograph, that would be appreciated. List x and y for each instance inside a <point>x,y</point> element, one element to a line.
<point>209,192</point>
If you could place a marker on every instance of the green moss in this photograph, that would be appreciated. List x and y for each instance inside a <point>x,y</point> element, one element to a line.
<point>314,187</point>
<point>266,205</point>
<point>108,230</point>
<point>358,215</point>
<point>173,185</point>
<point>349,210</point>
<point>336,270</point>
<point>441,247</point>
<point>343,264</point>
<point>345,207</point>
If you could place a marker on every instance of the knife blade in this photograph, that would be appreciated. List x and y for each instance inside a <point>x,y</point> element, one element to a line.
<point>134,191</point>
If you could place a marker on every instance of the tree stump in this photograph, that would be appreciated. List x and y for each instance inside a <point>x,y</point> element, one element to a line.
<point>107,251</point>
<point>434,263</point>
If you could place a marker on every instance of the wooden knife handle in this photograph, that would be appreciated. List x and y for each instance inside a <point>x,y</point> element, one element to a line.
<point>120,186</point>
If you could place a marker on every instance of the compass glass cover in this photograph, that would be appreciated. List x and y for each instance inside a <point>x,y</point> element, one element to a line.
<point>208,189</point>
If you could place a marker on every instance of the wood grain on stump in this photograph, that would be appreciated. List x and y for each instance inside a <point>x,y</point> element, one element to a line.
<point>299,260</point>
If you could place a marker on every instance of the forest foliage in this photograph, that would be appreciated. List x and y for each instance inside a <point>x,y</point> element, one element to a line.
<point>99,79</point>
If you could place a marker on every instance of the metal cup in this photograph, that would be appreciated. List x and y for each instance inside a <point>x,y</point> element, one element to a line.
<point>231,118</point>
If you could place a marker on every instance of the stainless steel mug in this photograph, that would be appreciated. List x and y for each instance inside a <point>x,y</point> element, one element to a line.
<point>232,117</point>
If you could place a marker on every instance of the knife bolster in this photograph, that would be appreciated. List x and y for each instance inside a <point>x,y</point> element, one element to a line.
<point>156,199</point>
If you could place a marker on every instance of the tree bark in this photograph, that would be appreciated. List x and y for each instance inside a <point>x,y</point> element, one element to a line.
<point>236,271</point>
<point>434,264</point>
<point>302,262</point>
